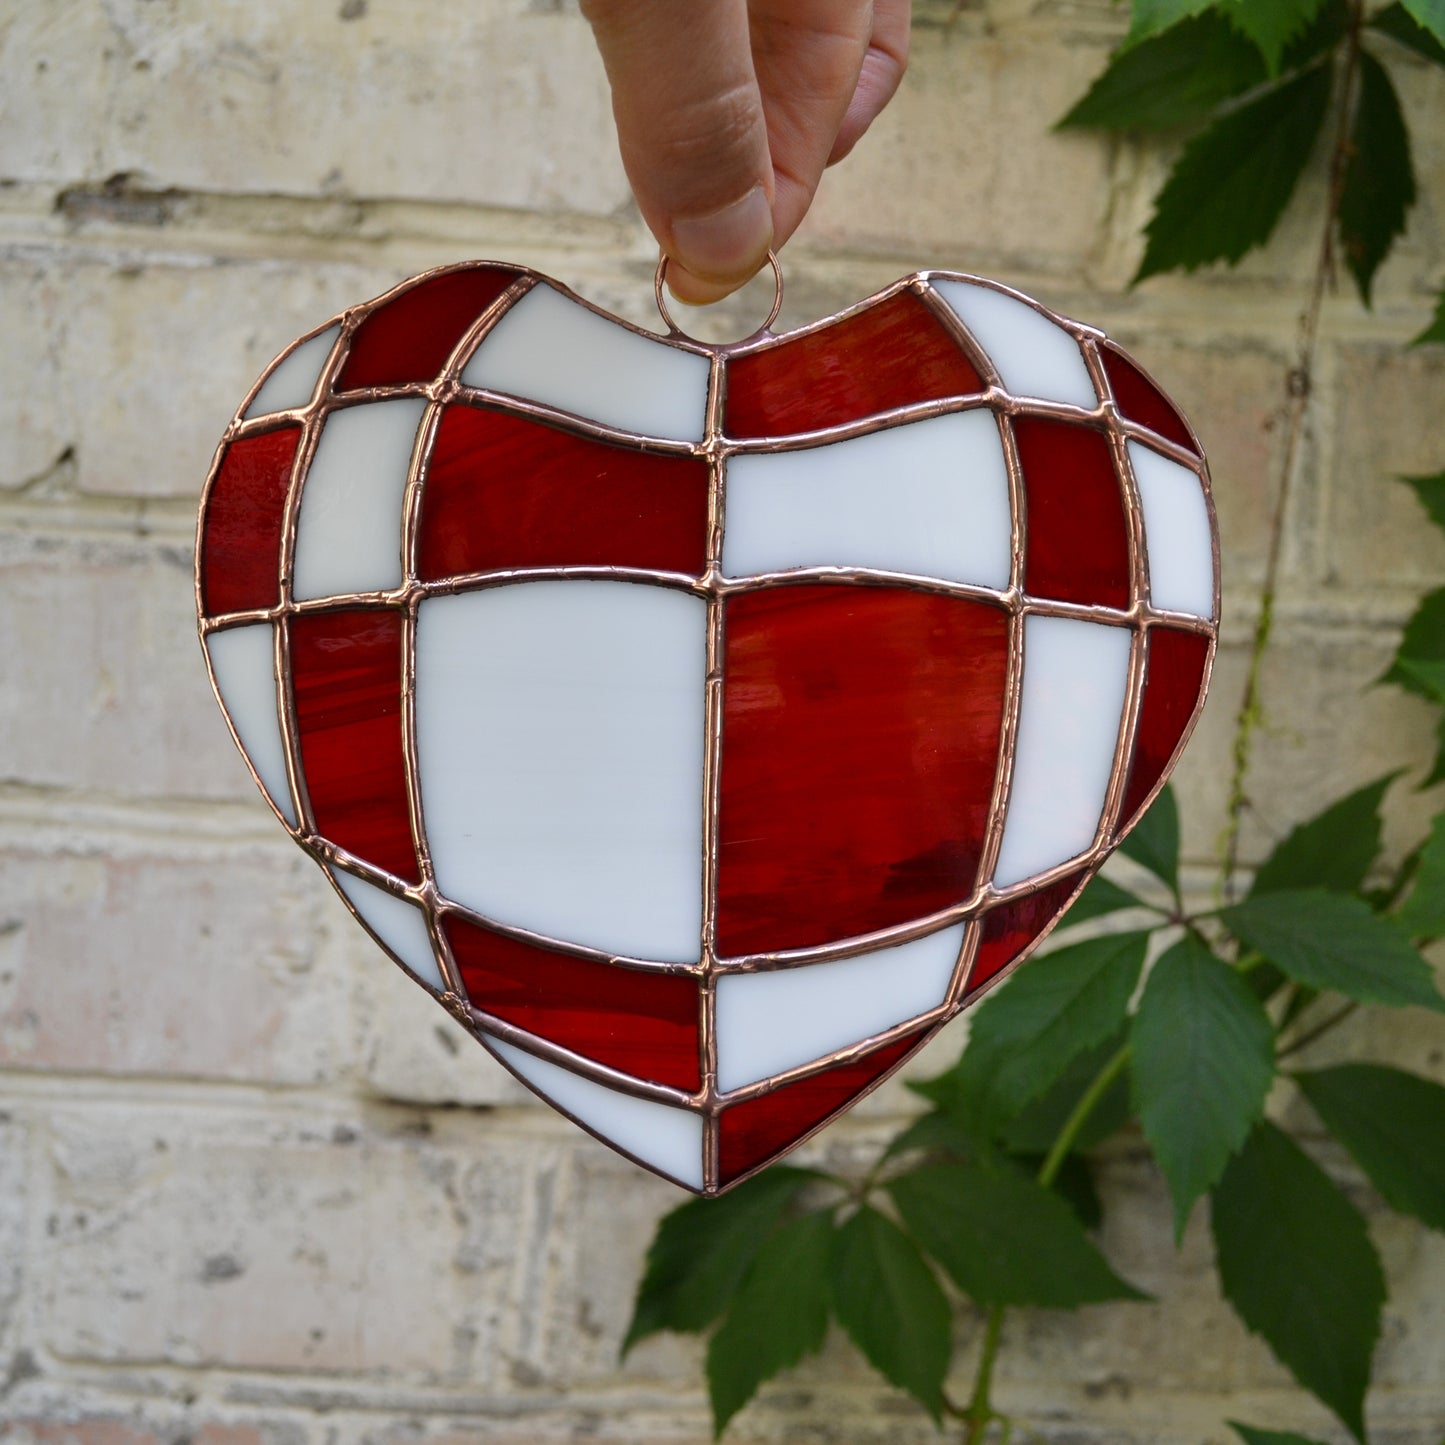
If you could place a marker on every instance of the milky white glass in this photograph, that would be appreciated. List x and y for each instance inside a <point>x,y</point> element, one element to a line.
<point>290,386</point>
<point>348,536</point>
<point>668,1139</point>
<point>552,350</point>
<point>1075,678</point>
<point>560,747</point>
<point>245,667</point>
<point>769,1022</point>
<point>1034,357</point>
<point>398,924</point>
<point>1176,534</point>
<point>929,498</point>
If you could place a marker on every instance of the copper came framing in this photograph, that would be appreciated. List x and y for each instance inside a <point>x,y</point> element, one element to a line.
<point>715,448</point>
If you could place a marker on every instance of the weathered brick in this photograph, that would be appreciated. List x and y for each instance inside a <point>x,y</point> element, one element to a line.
<point>503,105</point>
<point>198,966</point>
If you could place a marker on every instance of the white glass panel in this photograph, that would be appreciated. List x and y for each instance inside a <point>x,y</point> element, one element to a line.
<point>1034,357</point>
<point>292,383</point>
<point>560,742</point>
<point>929,498</point>
<point>1176,534</point>
<point>1076,675</point>
<point>245,668</point>
<point>668,1139</point>
<point>549,349</point>
<point>398,924</point>
<point>348,536</point>
<point>768,1022</point>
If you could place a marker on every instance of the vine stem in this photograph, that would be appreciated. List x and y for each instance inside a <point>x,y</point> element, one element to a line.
<point>979,1413</point>
<point>1301,384</point>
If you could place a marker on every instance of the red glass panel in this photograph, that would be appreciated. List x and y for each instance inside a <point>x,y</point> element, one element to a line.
<point>1012,927</point>
<point>1141,401</point>
<point>346,670</point>
<point>504,491</point>
<point>890,355</point>
<point>860,741</point>
<point>1078,548</point>
<point>644,1023</point>
<point>410,338</point>
<point>1176,662</point>
<point>241,534</point>
<point>754,1132</point>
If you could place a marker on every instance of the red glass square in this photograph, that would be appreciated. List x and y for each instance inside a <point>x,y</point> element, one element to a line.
<point>1141,401</point>
<point>1013,927</point>
<point>859,747</point>
<point>890,354</point>
<point>241,532</point>
<point>504,491</point>
<point>346,671</point>
<point>410,338</point>
<point>1078,545</point>
<point>640,1021</point>
<point>1175,675</point>
<point>753,1133</point>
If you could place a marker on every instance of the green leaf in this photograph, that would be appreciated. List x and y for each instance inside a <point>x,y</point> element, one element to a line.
<point>1074,1184</point>
<point>1154,840</point>
<point>1379,185</point>
<point>1435,331</point>
<point>1423,642</point>
<point>1330,942</point>
<point>1333,850</point>
<point>1026,1034</point>
<point>1036,1127</point>
<point>1251,1436</point>
<point>1149,17</point>
<point>933,1133</point>
<point>1296,1262</point>
<point>1272,24</point>
<point>778,1315</point>
<point>1101,896</point>
<point>1004,1239</point>
<point>1202,1064</point>
<point>1232,183</point>
<point>1431,492</point>
<point>889,1302</point>
<point>1424,912</point>
<point>1394,1125</point>
<point>702,1250</point>
<point>1170,80</point>
<point>1396,22</point>
<point>1430,15</point>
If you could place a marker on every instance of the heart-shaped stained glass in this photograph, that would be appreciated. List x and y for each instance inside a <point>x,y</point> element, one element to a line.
<point>706,726</point>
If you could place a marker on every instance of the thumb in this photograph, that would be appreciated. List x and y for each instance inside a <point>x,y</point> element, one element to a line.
<point>693,138</point>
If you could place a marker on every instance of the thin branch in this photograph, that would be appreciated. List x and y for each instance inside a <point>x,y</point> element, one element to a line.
<point>1304,1040</point>
<point>1301,385</point>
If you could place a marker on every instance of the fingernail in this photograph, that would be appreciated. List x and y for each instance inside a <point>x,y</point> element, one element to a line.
<point>728,244</point>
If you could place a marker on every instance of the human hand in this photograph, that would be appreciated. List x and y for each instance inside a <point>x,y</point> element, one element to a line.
<point>729,111</point>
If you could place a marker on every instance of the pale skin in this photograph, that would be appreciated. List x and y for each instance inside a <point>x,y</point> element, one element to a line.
<point>729,111</point>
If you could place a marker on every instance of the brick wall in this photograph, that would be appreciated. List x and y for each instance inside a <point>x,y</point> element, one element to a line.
<point>254,1188</point>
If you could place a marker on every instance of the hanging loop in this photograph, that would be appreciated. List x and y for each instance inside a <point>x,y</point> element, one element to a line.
<point>674,329</point>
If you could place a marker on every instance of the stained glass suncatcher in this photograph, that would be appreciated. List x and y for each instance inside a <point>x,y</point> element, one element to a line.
<point>705,727</point>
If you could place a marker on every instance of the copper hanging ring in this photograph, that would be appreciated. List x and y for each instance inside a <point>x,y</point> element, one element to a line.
<point>675,330</point>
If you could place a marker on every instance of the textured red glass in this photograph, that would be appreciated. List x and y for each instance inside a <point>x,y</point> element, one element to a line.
<point>644,1023</point>
<point>346,670</point>
<point>892,354</point>
<point>1012,927</point>
<point>1078,547</point>
<point>860,742</point>
<point>410,338</point>
<point>1175,676</point>
<point>504,491</point>
<point>1141,401</point>
<point>752,1133</point>
<point>241,534</point>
